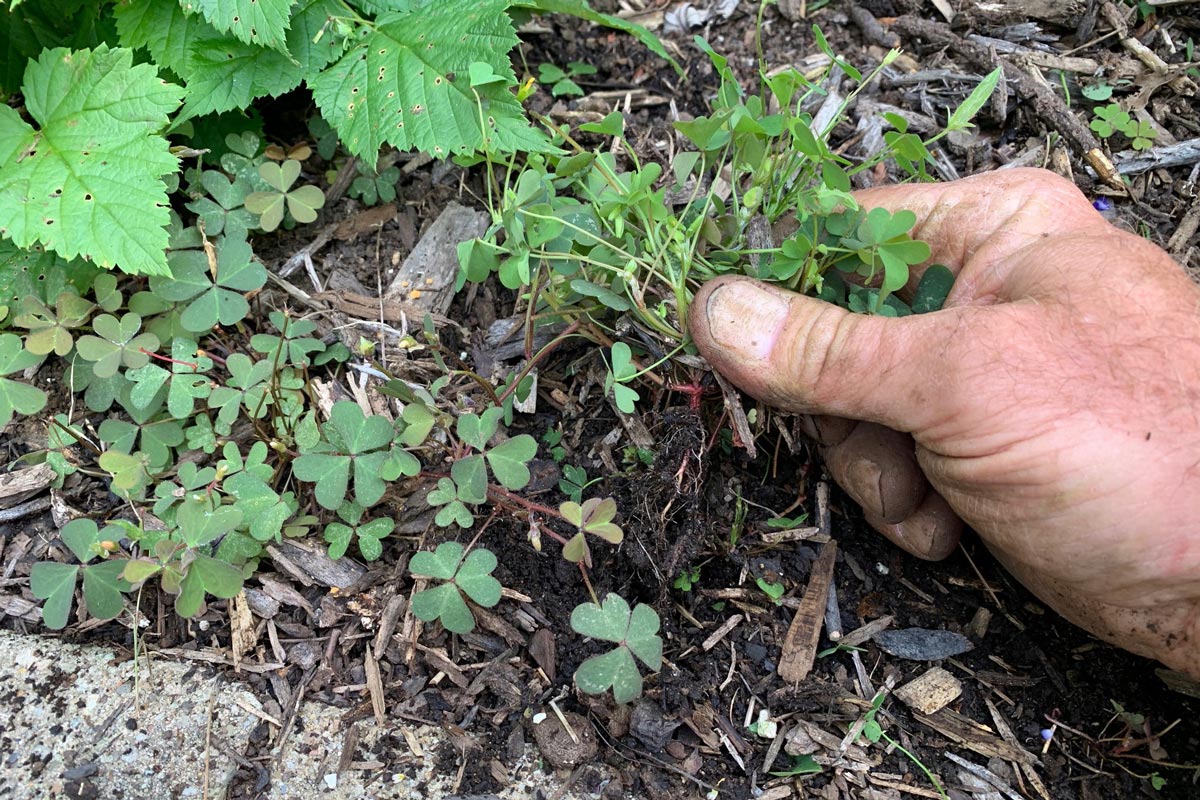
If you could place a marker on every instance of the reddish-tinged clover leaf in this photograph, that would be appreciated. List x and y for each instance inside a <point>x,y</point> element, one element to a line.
<point>471,575</point>
<point>634,632</point>
<point>88,180</point>
<point>50,330</point>
<point>595,516</point>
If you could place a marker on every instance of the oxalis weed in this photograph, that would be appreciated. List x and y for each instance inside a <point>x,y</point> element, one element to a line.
<point>608,242</point>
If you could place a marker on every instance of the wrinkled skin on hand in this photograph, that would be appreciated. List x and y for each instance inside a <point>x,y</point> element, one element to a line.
<point>1053,405</point>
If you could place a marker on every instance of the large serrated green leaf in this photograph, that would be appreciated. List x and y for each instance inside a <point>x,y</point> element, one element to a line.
<point>87,181</point>
<point>406,83</point>
<point>261,22</point>
<point>208,59</point>
<point>162,28</point>
<point>224,73</point>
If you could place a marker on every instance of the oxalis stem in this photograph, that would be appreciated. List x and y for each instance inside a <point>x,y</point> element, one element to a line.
<point>502,495</point>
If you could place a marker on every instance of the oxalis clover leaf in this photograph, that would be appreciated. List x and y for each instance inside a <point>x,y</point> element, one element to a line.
<point>470,576</point>
<point>369,534</point>
<point>302,202</point>
<point>595,517</point>
<point>355,447</point>
<point>54,581</point>
<point>17,397</point>
<point>185,381</point>
<point>213,287</point>
<point>50,330</point>
<point>468,481</point>
<point>634,632</point>
<point>116,344</point>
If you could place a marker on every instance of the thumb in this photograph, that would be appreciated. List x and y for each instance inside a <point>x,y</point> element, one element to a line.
<point>805,355</point>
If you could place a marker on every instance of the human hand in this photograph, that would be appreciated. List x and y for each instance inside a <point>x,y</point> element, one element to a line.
<point>1053,404</point>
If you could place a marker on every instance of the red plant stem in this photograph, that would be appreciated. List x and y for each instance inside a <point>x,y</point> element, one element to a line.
<point>502,495</point>
<point>168,359</point>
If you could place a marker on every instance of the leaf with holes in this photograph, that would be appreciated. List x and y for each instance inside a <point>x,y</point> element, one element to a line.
<point>87,181</point>
<point>634,632</point>
<point>17,397</point>
<point>224,72</point>
<point>262,22</point>
<point>406,83</point>
<point>40,273</point>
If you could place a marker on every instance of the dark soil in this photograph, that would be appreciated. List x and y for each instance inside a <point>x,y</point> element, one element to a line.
<point>689,736</point>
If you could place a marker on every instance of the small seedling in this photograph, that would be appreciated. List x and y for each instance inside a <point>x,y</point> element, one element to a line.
<point>873,732</point>
<point>561,81</point>
<point>772,590</point>
<point>574,481</point>
<point>787,523</point>
<point>375,188</point>
<point>471,576</point>
<point>1112,119</point>
<point>594,517</point>
<point>687,579</point>
<point>368,534</point>
<point>635,632</point>
<point>801,765</point>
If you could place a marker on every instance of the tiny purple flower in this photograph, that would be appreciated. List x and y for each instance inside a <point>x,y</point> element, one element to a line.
<point>1047,733</point>
<point>1102,204</point>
